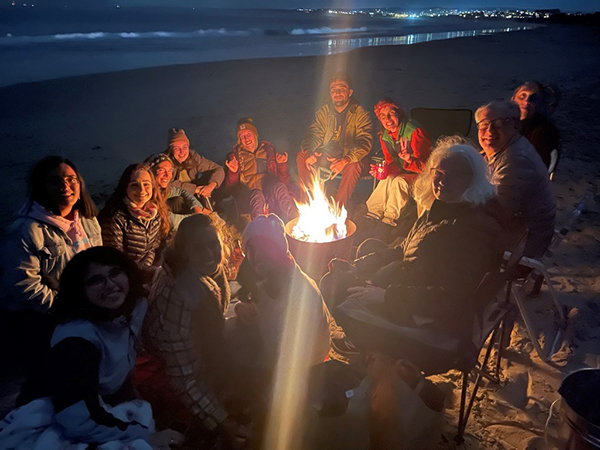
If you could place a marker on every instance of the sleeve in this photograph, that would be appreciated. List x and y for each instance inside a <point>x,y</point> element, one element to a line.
<point>74,380</point>
<point>178,349</point>
<point>218,174</point>
<point>363,141</point>
<point>189,187</point>
<point>22,280</point>
<point>112,232</point>
<point>421,147</point>
<point>316,133</point>
<point>190,200</point>
<point>513,180</point>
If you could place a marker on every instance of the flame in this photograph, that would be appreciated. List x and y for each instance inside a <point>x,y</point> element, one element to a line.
<point>320,219</point>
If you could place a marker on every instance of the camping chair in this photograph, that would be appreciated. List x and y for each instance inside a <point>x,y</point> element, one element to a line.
<point>537,276</point>
<point>486,328</point>
<point>443,122</point>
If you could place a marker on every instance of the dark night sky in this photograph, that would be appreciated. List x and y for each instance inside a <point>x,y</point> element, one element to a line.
<point>565,5</point>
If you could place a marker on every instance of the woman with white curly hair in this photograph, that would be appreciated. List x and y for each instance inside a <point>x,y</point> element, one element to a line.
<point>428,281</point>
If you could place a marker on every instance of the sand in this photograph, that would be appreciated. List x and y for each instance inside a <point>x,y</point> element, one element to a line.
<point>104,122</point>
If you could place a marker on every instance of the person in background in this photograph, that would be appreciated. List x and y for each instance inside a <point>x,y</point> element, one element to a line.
<point>194,173</point>
<point>428,281</point>
<point>80,396</point>
<point>339,139</point>
<point>405,147</point>
<point>517,170</point>
<point>184,328</point>
<point>536,101</point>
<point>180,202</point>
<point>135,219</point>
<point>257,176</point>
<point>57,222</point>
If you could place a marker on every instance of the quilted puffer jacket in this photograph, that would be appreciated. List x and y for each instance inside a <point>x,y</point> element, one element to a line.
<point>439,266</point>
<point>140,240</point>
<point>525,194</point>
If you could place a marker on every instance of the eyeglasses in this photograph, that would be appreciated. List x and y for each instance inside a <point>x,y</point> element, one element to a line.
<point>496,123</point>
<point>96,281</point>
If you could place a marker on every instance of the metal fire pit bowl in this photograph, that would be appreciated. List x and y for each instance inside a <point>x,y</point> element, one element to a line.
<point>313,257</point>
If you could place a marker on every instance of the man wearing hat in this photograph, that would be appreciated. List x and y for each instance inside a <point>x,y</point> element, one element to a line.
<point>339,139</point>
<point>192,172</point>
<point>257,176</point>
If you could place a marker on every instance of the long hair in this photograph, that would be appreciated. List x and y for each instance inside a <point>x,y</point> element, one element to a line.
<point>115,202</point>
<point>176,253</point>
<point>479,191</point>
<point>37,187</point>
<point>71,302</point>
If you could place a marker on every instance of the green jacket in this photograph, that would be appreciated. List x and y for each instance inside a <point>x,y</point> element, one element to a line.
<point>358,139</point>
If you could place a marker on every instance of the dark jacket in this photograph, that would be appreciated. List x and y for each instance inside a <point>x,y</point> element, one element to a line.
<point>249,170</point>
<point>438,267</point>
<point>194,165</point>
<point>543,135</point>
<point>525,193</point>
<point>357,138</point>
<point>140,240</point>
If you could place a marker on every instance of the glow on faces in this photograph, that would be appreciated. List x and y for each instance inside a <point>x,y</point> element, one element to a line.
<point>139,188</point>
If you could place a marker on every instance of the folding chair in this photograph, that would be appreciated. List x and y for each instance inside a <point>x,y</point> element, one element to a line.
<point>443,122</point>
<point>539,274</point>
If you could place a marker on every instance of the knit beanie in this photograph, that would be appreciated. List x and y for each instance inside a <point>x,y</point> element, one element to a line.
<point>270,227</point>
<point>246,124</point>
<point>387,102</point>
<point>177,135</point>
<point>154,160</point>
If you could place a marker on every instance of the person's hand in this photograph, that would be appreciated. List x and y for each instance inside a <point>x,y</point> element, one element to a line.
<point>237,435</point>
<point>404,152</point>
<point>312,159</point>
<point>163,440</point>
<point>246,312</point>
<point>281,158</point>
<point>233,165</point>
<point>337,165</point>
<point>373,170</point>
<point>367,295</point>
<point>341,265</point>
<point>206,191</point>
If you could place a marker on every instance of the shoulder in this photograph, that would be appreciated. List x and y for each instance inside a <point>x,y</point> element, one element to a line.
<point>323,110</point>
<point>82,329</point>
<point>31,232</point>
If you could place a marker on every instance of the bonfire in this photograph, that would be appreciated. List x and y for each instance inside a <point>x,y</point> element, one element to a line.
<point>320,219</point>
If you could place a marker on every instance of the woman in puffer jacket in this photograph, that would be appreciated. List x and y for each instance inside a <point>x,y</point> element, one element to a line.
<point>135,219</point>
<point>57,222</point>
<point>427,282</point>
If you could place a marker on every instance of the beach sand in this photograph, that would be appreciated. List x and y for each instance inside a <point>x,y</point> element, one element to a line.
<point>105,122</point>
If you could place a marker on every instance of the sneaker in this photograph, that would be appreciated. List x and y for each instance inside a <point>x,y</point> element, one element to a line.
<point>388,221</point>
<point>372,216</point>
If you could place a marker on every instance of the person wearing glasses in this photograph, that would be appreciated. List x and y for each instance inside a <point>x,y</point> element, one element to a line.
<point>339,139</point>
<point>519,174</point>
<point>57,222</point>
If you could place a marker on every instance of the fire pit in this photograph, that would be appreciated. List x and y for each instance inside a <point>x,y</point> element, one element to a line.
<point>321,232</point>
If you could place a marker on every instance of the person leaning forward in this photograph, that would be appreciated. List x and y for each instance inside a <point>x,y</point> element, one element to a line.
<point>339,139</point>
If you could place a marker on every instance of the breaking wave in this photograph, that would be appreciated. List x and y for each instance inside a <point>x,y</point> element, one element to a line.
<point>326,30</point>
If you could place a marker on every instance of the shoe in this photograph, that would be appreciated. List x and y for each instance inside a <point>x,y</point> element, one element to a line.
<point>388,221</point>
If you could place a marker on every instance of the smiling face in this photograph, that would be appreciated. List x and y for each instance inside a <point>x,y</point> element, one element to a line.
<point>63,188</point>
<point>204,251</point>
<point>181,150</point>
<point>451,177</point>
<point>139,188</point>
<point>340,93</point>
<point>388,116</point>
<point>106,286</point>
<point>248,140</point>
<point>494,130</point>
<point>163,173</point>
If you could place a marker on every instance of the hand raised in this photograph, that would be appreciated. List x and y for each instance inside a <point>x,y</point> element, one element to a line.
<point>281,158</point>
<point>233,165</point>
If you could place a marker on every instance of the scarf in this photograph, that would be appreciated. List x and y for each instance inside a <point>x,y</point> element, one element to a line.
<point>72,228</point>
<point>144,213</point>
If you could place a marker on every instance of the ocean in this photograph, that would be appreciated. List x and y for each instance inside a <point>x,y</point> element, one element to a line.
<point>37,44</point>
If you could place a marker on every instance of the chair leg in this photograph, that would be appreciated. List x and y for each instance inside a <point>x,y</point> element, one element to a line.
<point>461,415</point>
<point>529,324</point>
<point>501,348</point>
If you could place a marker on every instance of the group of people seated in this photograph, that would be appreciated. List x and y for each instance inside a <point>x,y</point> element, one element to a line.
<point>105,309</point>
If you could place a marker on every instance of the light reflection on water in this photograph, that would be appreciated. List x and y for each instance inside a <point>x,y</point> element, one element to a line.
<point>338,45</point>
